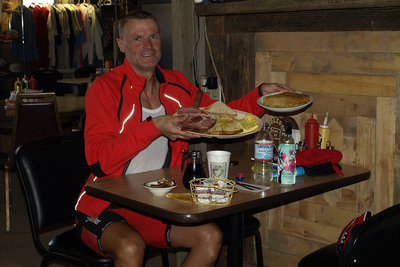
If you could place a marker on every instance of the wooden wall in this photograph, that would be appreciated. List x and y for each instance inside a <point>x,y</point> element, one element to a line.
<point>353,76</point>
<point>346,55</point>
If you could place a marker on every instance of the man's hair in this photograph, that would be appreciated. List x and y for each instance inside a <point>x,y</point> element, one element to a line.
<point>137,14</point>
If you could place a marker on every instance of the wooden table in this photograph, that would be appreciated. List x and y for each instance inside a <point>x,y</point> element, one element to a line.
<point>74,81</point>
<point>128,191</point>
<point>78,85</point>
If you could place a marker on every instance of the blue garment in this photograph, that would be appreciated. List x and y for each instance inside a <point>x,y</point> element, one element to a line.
<point>30,46</point>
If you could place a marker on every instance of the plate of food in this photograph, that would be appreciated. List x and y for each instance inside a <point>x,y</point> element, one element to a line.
<point>219,121</point>
<point>285,101</point>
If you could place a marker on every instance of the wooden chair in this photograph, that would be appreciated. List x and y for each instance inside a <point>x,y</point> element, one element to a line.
<point>36,117</point>
<point>52,172</point>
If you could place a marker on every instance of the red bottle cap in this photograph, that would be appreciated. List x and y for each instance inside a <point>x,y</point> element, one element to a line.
<point>239,177</point>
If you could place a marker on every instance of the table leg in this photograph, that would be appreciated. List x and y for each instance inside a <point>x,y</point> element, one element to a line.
<point>235,246</point>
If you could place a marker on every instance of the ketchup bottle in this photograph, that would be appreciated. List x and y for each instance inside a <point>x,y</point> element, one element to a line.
<point>32,83</point>
<point>312,135</point>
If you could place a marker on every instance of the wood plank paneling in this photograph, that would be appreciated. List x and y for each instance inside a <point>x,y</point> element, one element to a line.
<point>341,105</point>
<point>337,62</point>
<point>364,85</point>
<point>365,150</point>
<point>332,216</point>
<point>385,137</point>
<point>311,230</point>
<point>313,43</point>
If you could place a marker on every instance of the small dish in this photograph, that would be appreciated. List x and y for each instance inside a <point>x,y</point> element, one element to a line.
<point>157,191</point>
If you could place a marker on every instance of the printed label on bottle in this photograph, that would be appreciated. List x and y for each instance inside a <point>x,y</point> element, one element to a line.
<point>264,150</point>
<point>287,163</point>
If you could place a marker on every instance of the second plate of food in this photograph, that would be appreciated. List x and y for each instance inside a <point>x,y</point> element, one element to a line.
<point>285,101</point>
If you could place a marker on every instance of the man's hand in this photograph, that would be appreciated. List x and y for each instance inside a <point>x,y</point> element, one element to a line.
<point>268,88</point>
<point>169,127</point>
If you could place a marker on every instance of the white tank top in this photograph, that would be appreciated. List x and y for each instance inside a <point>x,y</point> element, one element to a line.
<point>153,156</point>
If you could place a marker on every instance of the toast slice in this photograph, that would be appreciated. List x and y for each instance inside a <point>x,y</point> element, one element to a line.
<point>219,108</point>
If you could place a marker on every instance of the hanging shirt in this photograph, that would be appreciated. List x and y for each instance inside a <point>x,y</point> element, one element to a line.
<point>40,16</point>
<point>27,51</point>
<point>52,34</point>
<point>94,42</point>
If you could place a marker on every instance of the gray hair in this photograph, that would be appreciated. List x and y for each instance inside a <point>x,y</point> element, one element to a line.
<point>137,14</point>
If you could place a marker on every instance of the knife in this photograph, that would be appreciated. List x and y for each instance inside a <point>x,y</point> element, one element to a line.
<point>249,186</point>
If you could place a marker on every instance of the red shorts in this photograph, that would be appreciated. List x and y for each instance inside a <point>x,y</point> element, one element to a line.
<point>154,232</point>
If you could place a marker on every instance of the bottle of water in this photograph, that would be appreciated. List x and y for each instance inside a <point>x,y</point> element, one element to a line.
<point>263,155</point>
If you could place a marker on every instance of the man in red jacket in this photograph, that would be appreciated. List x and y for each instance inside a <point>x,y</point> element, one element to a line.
<point>130,128</point>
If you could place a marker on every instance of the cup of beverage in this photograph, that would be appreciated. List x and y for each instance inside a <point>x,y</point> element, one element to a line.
<point>218,163</point>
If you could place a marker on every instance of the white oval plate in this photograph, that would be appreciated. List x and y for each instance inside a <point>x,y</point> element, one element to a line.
<point>231,136</point>
<point>283,110</point>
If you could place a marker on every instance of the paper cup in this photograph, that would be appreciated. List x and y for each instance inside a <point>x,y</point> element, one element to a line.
<point>218,163</point>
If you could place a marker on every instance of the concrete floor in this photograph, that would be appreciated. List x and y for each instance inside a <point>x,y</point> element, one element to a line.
<point>17,249</point>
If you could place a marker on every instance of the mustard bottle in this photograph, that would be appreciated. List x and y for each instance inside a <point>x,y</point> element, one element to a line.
<point>324,133</point>
<point>18,86</point>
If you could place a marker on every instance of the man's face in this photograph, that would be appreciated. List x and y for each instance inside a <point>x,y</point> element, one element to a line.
<point>141,44</point>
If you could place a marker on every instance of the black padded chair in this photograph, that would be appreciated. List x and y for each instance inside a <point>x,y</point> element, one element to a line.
<point>36,117</point>
<point>52,172</point>
<point>375,242</point>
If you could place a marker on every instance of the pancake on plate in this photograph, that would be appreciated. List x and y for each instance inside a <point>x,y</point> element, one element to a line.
<point>286,100</point>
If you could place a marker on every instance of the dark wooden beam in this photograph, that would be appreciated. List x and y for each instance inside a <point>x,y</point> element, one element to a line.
<point>263,6</point>
<point>364,19</point>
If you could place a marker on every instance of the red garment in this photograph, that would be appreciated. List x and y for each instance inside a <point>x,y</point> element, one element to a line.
<point>311,157</point>
<point>111,138</point>
<point>40,15</point>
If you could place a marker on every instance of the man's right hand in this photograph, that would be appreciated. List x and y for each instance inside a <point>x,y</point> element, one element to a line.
<point>169,127</point>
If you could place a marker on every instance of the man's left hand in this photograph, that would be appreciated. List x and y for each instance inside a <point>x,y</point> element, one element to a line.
<point>268,88</point>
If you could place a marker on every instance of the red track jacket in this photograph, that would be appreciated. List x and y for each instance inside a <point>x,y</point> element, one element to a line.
<point>113,117</point>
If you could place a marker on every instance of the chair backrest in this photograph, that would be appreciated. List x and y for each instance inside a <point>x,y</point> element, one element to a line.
<point>47,79</point>
<point>36,117</point>
<point>84,71</point>
<point>375,242</point>
<point>52,172</point>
